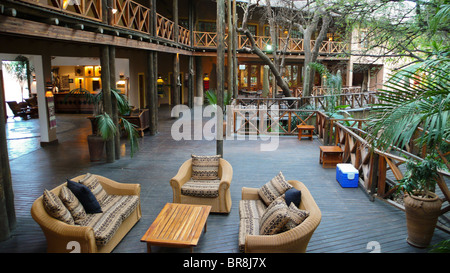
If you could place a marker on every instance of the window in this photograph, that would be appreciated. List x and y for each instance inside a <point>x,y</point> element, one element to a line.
<point>204,26</point>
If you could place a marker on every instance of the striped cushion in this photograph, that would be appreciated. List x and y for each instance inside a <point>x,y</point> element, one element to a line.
<point>72,204</point>
<point>55,207</point>
<point>274,218</point>
<point>201,188</point>
<point>273,189</point>
<point>247,226</point>
<point>91,181</point>
<point>251,209</point>
<point>296,217</point>
<point>205,167</point>
<point>116,208</point>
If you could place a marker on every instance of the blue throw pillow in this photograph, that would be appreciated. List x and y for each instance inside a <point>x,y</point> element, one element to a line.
<point>85,196</point>
<point>293,195</point>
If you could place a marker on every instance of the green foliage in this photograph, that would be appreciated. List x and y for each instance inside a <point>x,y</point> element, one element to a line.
<point>420,177</point>
<point>441,247</point>
<point>106,127</point>
<point>211,98</point>
<point>412,99</point>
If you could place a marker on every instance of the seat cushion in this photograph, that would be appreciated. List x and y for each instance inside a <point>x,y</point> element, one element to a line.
<point>55,207</point>
<point>247,226</point>
<point>205,167</point>
<point>274,218</point>
<point>116,209</point>
<point>91,181</point>
<point>251,209</point>
<point>72,204</point>
<point>296,217</point>
<point>85,196</point>
<point>273,189</point>
<point>201,188</point>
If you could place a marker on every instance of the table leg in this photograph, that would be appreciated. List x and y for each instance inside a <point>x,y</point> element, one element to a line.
<point>149,248</point>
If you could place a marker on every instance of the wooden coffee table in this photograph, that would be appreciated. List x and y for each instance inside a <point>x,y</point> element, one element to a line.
<point>177,225</point>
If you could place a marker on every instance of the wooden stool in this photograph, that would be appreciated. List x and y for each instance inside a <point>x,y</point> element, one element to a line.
<point>304,127</point>
<point>330,156</point>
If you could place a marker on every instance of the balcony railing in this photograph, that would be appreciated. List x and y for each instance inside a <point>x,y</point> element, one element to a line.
<point>134,16</point>
<point>90,9</point>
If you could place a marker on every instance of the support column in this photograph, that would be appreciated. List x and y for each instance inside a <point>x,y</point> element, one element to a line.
<point>7,210</point>
<point>199,81</point>
<point>235,45</point>
<point>115,111</point>
<point>220,72</point>
<point>230,50</point>
<point>191,82</point>
<point>44,76</point>
<point>176,80</point>
<point>107,103</point>
<point>152,90</point>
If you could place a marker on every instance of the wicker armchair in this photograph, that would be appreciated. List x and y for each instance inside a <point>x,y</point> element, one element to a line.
<point>219,204</point>
<point>294,240</point>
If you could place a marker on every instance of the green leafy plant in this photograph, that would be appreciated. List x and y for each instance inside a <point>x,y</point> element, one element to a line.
<point>211,98</point>
<point>106,128</point>
<point>420,177</point>
<point>414,99</point>
<point>441,247</point>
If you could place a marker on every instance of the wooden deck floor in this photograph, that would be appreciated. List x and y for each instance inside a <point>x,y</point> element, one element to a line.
<point>349,220</point>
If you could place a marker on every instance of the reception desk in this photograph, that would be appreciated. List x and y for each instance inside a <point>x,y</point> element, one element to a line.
<point>72,104</point>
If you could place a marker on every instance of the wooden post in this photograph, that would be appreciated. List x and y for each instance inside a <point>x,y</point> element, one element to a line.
<point>230,49</point>
<point>176,79</point>
<point>152,90</point>
<point>7,210</point>
<point>107,103</point>
<point>220,73</point>
<point>115,111</point>
<point>235,64</point>
<point>199,80</point>
<point>191,72</point>
<point>175,20</point>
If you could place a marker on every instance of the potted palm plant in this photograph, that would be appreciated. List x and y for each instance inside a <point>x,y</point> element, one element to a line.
<point>414,100</point>
<point>103,126</point>
<point>422,205</point>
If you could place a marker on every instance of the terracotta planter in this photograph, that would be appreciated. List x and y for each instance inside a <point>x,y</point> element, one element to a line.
<point>96,146</point>
<point>421,218</point>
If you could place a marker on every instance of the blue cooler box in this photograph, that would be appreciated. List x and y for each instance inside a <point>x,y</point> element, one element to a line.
<point>347,175</point>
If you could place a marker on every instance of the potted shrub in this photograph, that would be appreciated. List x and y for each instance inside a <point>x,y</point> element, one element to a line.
<point>422,205</point>
<point>103,126</point>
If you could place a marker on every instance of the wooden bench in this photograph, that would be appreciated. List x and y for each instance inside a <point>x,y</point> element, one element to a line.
<point>330,156</point>
<point>304,127</point>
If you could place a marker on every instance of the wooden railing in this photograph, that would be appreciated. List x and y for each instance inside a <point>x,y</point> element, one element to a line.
<point>208,40</point>
<point>132,15</point>
<point>89,9</point>
<point>137,17</point>
<point>164,27</point>
<point>379,171</point>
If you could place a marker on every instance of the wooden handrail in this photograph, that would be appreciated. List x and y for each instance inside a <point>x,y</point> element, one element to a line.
<point>88,9</point>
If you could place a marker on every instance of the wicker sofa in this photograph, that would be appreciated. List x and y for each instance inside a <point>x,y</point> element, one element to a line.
<point>294,240</point>
<point>96,232</point>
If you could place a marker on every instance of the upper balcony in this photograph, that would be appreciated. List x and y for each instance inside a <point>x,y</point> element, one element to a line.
<point>132,16</point>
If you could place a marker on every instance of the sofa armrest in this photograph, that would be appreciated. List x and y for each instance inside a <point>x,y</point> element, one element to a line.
<point>225,173</point>
<point>249,193</point>
<point>116,188</point>
<point>60,234</point>
<point>183,175</point>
